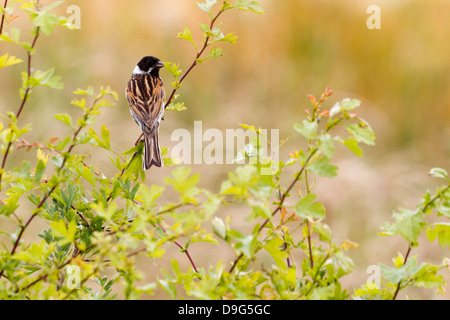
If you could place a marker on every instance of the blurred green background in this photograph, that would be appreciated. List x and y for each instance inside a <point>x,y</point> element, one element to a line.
<point>401,73</point>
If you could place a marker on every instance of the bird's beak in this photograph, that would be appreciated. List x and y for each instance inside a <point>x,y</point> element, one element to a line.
<point>159,65</point>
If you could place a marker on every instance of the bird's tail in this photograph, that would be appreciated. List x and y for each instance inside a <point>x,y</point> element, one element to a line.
<point>152,153</point>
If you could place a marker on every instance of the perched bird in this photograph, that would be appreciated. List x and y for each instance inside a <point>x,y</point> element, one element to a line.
<point>145,94</point>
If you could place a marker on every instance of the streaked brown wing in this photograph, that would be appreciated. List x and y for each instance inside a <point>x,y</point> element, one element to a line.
<point>145,95</point>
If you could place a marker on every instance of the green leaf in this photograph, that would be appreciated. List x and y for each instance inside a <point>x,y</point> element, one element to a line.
<point>306,208</point>
<point>105,136</point>
<point>184,183</point>
<point>103,142</point>
<point>241,180</point>
<point>89,91</point>
<point>443,208</point>
<point>176,106</point>
<point>308,129</point>
<point>408,224</point>
<point>324,232</point>
<point>441,231</point>
<point>206,6</point>
<point>335,109</point>
<point>439,173</point>
<point>150,195</point>
<point>42,78</point>
<point>362,133</point>
<point>89,175</point>
<point>173,68</point>
<point>341,263</point>
<point>219,227</point>
<point>37,253</point>
<point>6,60</point>
<point>322,168</point>
<point>205,28</point>
<point>352,145</point>
<point>215,52</point>
<point>13,36</point>
<point>65,118</point>
<point>427,277</point>
<point>39,171</point>
<point>275,247</point>
<point>102,211</point>
<point>231,37</point>
<point>326,145</point>
<point>244,243</point>
<point>46,21</point>
<point>187,35</point>
<point>256,8</point>
<point>10,205</point>
<point>260,210</point>
<point>247,5</point>
<point>349,104</point>
<point>393,275</point>
<point>67,233</point>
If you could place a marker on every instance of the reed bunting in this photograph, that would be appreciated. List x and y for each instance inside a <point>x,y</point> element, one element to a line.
<point>145,94</point>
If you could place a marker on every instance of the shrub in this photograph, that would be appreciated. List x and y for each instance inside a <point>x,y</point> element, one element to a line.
<point>98,222</point>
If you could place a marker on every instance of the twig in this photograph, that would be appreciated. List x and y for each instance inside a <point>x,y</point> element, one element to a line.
<point>423,209</point>
<point>185,250</point>
<point>400,282</point>
<point>24,100</point>
<point>308,226</point>
<point>49,193</point>
<point>194,63</point>
<point>3,16</point>
<point>280,205</point>
<point>199,53</point>
<point>43,277</point>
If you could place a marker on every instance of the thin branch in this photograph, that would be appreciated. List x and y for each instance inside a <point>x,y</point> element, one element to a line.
<point>314,279</point>
<point>280,205</point>
<point>185,250</point>
<point>199,53</point>
<point>400,282</point>
<point>436,197</point>
<point>3,16</point>
<point>24,100</point>
<point>49,193</point>
<point>194,63</point>
<point>43,277</point>
<point>308,225</point>
<point>423,209</point>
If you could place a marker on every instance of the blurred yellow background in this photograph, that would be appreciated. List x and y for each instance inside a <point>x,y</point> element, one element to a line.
<point>401,73</point>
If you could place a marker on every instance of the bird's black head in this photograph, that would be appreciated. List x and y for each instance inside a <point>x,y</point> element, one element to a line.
<point>149,64</point>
